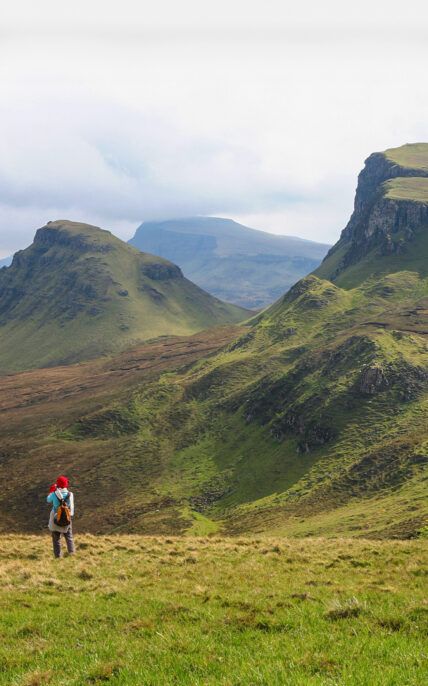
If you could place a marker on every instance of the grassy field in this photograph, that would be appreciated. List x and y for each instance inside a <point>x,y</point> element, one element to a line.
<point>160,611</point>
<point>408,188</point>
<point>412,155</point>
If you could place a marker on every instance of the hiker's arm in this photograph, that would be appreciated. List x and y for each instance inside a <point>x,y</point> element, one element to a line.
<point>50,498</point>
<point>71,504</point>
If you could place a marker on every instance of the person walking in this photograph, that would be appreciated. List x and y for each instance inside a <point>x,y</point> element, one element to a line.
<point>59,494</point>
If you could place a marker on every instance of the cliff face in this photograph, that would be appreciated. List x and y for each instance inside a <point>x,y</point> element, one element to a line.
<point>391,205</point>
<point>378,168</point>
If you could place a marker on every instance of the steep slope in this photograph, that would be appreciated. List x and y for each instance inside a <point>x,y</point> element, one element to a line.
<point>78,292</point>
<point>237,264</point>
<point>388,230</point>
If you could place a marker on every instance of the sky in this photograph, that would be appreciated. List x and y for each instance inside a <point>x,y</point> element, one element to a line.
<point>115,113</point>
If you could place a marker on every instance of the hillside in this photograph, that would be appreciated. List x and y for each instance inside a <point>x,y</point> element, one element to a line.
<point>79,292</point>
<point>311,420</point>
<point>233,262</point>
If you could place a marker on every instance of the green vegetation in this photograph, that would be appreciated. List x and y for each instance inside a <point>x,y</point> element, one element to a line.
<point>408,188</point>
<point>412,155</point>
<point>157,611</point>
<point>78,293</point>
<point>313,420</point>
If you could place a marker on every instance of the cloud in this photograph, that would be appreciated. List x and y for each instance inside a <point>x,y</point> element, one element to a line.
<point>101,160</point>
<point>117,116</point>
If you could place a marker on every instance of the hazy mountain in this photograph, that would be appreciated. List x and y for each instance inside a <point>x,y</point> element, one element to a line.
<point>237,264</point>
<point>312,420</point>
<point>79,292</point>
<point>6,261</point>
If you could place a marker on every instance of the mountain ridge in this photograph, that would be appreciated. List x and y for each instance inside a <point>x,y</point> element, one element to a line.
<point>245,266</point>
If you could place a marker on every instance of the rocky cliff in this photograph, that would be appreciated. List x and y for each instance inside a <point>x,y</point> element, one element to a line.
<point>391,205</point>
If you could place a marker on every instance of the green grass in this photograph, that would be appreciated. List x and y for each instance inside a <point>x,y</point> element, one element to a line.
<point>412,155</point>
<point>408,188</point>
<point>158,611</point>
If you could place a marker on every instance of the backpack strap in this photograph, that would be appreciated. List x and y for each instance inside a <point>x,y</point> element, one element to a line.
<point>63,499</point>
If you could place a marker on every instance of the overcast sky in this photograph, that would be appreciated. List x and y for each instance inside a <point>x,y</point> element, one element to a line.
<point>115,113</point>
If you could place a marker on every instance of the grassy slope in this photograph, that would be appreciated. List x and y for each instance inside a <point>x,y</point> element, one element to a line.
<point>79,303</point>
<point>156,611</point>
<point>408,188</point>
<point>412,155</point>
<point>375,266</point>
<point>269,433</point>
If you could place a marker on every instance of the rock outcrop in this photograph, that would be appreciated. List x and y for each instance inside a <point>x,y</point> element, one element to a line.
<point>372,380</point>
<point>378,169</point>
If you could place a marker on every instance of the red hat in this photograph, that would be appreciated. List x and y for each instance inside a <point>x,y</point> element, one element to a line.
<point>52,488</point>
<point>62,482</point>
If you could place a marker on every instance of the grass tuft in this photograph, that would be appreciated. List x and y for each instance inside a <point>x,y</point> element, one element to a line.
<point>344,609</point>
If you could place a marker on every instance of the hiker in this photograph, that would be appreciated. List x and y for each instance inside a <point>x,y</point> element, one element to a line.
<point>61,497</point>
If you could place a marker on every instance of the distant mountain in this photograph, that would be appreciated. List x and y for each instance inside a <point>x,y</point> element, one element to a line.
<point>79,292</point>
<point>233,262</point>
<point>6,261</point>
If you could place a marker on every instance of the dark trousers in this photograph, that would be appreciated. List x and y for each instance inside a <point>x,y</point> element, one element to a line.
<point>56,540</point>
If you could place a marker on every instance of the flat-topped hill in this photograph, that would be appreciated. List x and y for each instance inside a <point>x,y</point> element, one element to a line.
<point>233,262</point>
<point>79,292</point>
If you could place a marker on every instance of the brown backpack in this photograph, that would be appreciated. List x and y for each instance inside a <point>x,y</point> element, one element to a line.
<point>62,515</point>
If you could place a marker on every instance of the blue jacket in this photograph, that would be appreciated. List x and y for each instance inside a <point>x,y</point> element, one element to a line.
<point>53,498</point>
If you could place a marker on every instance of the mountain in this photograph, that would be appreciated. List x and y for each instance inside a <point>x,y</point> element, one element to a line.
<point>239,265</point>
<point>79,292</point>
<point>311,420</point>
<point>6,261</point>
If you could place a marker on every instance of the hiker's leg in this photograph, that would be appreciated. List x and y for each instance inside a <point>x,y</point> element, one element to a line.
<point>69,539</point>
<point>56,540</point>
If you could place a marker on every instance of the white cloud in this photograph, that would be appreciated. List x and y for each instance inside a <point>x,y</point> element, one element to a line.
<point>264,113</point>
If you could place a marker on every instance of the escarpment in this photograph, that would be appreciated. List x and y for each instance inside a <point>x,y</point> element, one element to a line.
<point>390,212</point>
